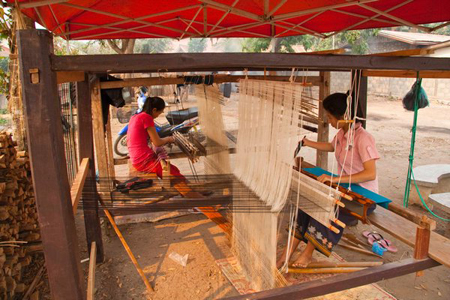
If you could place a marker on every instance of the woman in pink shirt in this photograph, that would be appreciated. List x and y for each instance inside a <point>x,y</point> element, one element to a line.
<point>356,158</point>
<point>142,128</point>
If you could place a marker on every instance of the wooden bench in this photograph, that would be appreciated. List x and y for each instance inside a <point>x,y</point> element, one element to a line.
<point>430,179</point>
<point>405,230</point>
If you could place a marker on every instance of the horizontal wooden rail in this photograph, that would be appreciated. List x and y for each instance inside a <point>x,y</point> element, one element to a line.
<point>64,76</point>
<point>124,160</point>
<point>188,62</point>
<point>78,184</point>
<point>91,275</point>
<point>314,80</point>
<point>406,74</point>
<point>409,52</point>
<point>342,282</point>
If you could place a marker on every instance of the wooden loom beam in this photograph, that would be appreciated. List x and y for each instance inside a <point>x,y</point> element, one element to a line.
<point>322,126</point>
<point>102,151</point>
<point>86,149</point>
<point>342,282</point>
<point>180,62</point>
<point>48,165</point>
<point>359,92</point>
<point>148,81</point>
<point>406,73</point>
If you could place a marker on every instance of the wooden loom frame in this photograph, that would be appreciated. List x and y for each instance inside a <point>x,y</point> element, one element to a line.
<point>40,70</point>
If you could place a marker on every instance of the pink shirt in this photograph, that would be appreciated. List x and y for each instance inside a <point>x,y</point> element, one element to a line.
<point>137,137</point>
<point>363,150</point>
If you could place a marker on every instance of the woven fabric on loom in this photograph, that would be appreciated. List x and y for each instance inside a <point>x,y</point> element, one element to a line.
<point>211,122</point>
<point>269,128</point>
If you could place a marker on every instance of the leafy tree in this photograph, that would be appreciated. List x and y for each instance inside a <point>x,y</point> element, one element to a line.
<point>152,45</point>
<point>197,45</point>
<point>356,39</point>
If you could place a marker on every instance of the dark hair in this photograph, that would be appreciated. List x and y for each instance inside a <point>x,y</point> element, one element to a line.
<point>143,89</point>
<point>336,104</point>
<point>153,102</point>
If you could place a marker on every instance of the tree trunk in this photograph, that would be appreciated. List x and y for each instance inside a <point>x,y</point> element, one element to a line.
<point>15,105</point>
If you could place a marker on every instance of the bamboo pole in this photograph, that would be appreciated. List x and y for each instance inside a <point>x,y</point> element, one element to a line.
<point>322,270</point>
<point>127,248</point>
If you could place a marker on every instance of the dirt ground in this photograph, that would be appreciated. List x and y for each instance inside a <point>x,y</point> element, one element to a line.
<point>204,242</point>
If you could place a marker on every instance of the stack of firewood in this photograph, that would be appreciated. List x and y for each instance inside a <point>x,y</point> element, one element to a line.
<point>19,231</point>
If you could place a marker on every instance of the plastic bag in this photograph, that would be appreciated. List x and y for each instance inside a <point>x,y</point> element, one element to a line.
<point>410,97</point>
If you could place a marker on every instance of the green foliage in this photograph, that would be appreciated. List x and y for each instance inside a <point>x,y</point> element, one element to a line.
<point>152,45</point>
<point>4,75</point>
<point>255,44</point>
<point>5,24</point>
<point>356,39</point>
<point>196,45</point>
<point>61,47</point>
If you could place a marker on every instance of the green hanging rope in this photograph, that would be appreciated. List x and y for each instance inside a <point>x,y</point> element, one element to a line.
<point>417,95</point>
<point>413,141</point>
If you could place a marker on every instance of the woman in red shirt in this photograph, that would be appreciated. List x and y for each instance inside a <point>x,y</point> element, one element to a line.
<point>142,127</point>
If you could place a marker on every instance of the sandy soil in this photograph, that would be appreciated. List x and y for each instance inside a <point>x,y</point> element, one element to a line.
<point>204,243</point>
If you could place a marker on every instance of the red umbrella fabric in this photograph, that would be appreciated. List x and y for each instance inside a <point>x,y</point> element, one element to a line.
<point>113,19</point>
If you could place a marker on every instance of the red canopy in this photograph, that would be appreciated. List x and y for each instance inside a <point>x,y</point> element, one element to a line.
<point>101,19</point>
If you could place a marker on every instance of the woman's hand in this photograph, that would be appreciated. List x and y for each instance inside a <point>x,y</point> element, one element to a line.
<point>170,140</point>
<point>306,142</point>
<point>324,178</point>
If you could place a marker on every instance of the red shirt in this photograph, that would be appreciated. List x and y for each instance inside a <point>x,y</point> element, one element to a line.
<point>137,137</point>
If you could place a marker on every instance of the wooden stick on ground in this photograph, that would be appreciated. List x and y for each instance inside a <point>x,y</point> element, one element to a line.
<point>35,281</point>
<point>353,264</point>
<point>91,276</point>
<point>127,248</point>
<point>322,270</point>
<point>364,251</point>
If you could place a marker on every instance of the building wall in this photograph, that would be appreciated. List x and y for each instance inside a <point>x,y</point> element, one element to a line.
<point>436,89</point>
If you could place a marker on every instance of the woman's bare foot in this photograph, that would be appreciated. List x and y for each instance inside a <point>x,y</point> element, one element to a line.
<point>305,258</point>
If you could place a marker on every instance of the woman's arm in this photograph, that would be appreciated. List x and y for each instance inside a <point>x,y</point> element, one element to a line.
<point>156,140</point>
<point>369,173</point>
<point>322,146</point>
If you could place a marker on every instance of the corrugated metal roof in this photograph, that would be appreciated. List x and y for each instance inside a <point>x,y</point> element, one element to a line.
<point>414,38</point>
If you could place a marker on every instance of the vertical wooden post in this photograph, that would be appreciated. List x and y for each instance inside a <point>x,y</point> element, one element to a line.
<point>86,150</point>
<point>422,244</point>
<point>322,128</point>
<point>360,91</point>
<point>101,150</point>
<point>48,165</point>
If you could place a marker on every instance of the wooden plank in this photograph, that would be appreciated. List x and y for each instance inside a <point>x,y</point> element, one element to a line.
<point>91,274</point>
<point>180,62</point>
<point>410,215</point>
<point>422,242</point>
<point>409,52</point>
<point>360,92</point>
<point>64,76</point>
<point>48,165</point>
<point>86,149</point>
<point>131,82</point>
<point>406,74</point>
<point>322,124</point>
<point>405,230</point>
<point>78,184</point>
<point>332,51</point>
<point>173,155</point>
<point>110,151</point>
<point>342,282</point>
<point>101,150</point>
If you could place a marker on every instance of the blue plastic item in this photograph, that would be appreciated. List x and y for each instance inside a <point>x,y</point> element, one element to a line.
<point>378,249</point>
